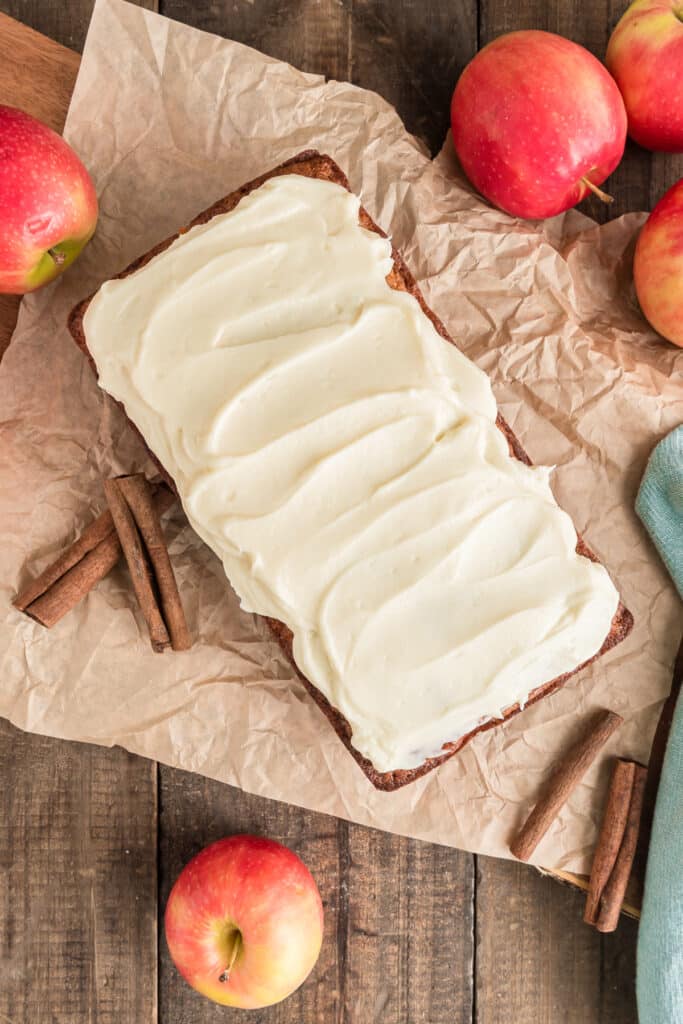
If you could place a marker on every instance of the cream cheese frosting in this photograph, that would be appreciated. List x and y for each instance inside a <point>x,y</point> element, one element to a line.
<point>343,462</point>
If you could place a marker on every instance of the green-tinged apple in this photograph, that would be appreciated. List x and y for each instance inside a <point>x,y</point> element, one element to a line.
<point>244,922</point>
<point>48,205</point>
<point>645,55</point>
<point>658,266</point>
<point>538,122</point>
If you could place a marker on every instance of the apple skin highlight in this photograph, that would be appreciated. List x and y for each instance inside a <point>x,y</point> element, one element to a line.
<point>244,922</point>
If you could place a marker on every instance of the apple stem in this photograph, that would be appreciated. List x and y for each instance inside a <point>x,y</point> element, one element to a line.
<point>237,942</point>
<point>605,196</point>
<point>57,256</point>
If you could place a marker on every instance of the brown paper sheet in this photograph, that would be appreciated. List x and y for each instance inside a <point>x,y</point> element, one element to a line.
<point>168,119</point>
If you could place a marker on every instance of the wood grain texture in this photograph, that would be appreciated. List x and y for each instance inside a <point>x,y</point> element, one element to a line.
<point>65,21</point>
<point>407,943</point>
<point>313,35</point>
<point>412,54</point>
<point>77,883</point>
<point>537,962</point>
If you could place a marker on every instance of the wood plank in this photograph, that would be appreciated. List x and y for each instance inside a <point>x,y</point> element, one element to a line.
<point>412,54</point>
<point>77,823</point>
<point>313,35</point>
<point>77,883</point>
<point>665,170</point>
<point>537,962</point>
<point>66,23</point>
<point>408,943</point>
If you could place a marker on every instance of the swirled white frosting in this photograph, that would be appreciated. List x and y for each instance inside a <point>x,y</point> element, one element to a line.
<point>343,461</point>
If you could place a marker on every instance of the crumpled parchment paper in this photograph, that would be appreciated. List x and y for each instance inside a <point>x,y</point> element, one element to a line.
<point>168,119</point>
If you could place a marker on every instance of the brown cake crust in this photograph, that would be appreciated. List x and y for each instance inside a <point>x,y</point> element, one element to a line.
<point>316,165</point>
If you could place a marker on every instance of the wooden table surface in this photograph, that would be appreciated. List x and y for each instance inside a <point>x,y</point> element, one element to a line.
<point>92,839</point>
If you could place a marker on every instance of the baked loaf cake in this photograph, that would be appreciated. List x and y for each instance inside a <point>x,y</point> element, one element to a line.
<point>348,464</point>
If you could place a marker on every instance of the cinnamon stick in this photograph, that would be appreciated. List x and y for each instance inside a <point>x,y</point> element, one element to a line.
<point>134,554</point>
<point>567,776</point>
<point>611,835</point>
<point>615,889</point>
<point>63,584</point>
<point>138,494</point>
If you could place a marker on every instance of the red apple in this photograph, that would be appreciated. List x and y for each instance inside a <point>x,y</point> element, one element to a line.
<point>537,123</point>
<point>48,206</point>
<point>658,266</point>
<point>244,922</point>
<point>645,55</point>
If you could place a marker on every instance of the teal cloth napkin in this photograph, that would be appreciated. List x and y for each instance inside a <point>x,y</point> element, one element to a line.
<point>660,937</point>
<point>660,504</point>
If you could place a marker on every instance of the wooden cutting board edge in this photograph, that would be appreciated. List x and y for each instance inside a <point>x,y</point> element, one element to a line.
<point>38,75</point>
